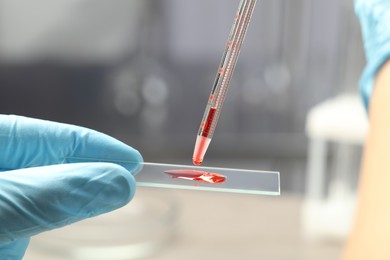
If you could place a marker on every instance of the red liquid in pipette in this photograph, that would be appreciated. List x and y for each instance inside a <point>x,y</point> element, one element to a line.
<point>197,161</point>
<point>195,175</point>
<point>200,149</point>
<point>203,140</point>
<point>209,121</point>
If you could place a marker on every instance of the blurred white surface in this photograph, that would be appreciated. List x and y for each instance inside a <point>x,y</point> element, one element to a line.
<point>227,226</point>
<point>329,204</point>
<point>340,119</point>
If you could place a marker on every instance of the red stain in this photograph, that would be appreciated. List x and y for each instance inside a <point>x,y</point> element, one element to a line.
<point>195,175</point>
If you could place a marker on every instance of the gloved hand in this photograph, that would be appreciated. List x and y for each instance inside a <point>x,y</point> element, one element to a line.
<point>55,174</point>
<point>374,18</point>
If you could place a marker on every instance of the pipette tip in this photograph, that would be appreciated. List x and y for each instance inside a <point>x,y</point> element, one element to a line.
<point>197,162</point>
<point>201,145</point>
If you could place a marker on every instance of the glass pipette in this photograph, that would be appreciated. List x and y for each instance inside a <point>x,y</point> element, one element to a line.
<point>222,80</point>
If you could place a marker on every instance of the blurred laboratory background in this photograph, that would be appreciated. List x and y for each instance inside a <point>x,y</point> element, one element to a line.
<point>142,70</point>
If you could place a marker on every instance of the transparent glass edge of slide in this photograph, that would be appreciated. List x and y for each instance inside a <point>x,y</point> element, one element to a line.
<point>237,180</point>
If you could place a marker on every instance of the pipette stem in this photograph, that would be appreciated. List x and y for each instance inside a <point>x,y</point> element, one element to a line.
<point>222,79</point>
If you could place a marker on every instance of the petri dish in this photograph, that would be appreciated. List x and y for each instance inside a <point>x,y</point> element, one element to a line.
<point>190,177</point>
<point>138,230</point>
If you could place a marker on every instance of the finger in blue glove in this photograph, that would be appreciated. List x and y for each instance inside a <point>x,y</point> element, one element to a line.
<point>57,174</point>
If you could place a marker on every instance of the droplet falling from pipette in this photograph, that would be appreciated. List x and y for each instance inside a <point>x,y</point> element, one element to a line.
<point>195,175</point>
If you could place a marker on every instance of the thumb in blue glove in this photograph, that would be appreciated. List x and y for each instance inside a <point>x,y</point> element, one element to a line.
<point>56,174</point>
<point>374,17</point>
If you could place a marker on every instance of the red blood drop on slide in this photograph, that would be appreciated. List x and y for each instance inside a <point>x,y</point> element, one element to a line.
<point>195,175</point>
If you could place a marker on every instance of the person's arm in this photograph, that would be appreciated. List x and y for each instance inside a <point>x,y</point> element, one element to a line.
<point>370,236</point>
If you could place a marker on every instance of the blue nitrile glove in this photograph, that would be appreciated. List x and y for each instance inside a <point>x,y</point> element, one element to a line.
<point>55,174</point>
<point>374,18</point>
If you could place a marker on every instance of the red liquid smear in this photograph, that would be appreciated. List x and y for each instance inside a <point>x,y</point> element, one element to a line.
<point>209,121</point>
<point>194,175</point>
